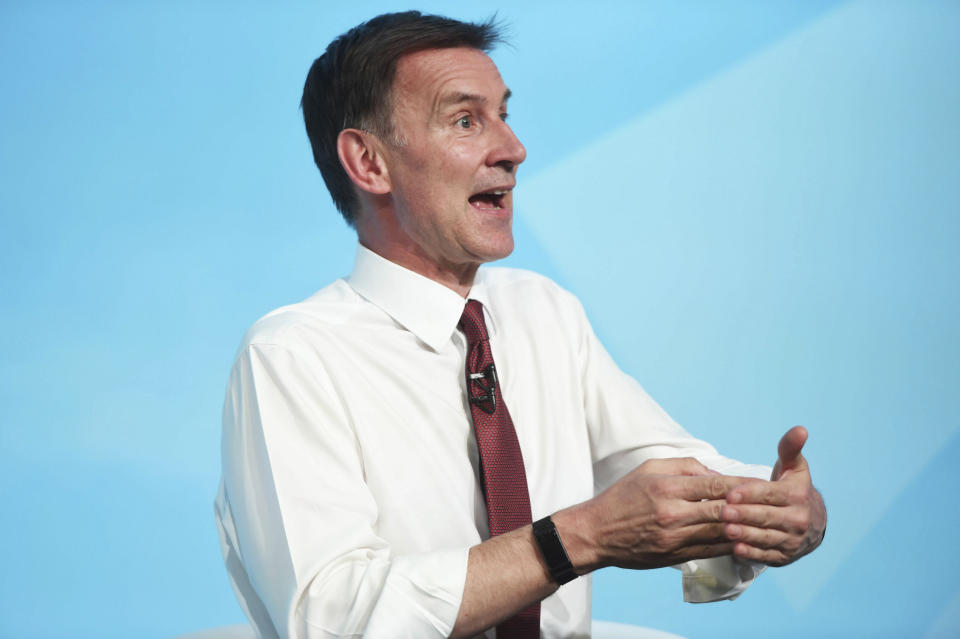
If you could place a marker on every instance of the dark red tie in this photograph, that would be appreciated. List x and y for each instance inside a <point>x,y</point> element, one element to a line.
<point>503,477</point>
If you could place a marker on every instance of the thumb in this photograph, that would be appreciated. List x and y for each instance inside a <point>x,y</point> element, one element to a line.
<point>789,455</point>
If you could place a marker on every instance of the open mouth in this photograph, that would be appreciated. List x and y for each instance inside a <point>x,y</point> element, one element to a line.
<point>493,199</point>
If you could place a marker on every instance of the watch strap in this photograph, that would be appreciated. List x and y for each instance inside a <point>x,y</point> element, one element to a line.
<point>551,547</point>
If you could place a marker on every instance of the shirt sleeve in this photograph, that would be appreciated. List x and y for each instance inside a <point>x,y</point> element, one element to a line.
<point>298,525</point>
<point>627,427</point>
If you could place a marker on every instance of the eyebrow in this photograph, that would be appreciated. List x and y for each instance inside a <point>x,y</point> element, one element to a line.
<point>461,97</point>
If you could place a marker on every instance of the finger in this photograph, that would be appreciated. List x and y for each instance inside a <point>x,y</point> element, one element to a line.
<point>766,538</point>
<point>788,450</point>
<point>680,555</point>
<point>788,519</point>
<point>760,555</point>
<point>695,536</point>
<point>760,516</point>
<point>676,466</point>
<point>677,514</point>
<point>712,487</point>
<point>770,493</point>
<point>704,551</point>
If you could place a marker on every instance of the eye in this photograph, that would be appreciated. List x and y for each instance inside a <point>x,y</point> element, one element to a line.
<point>465,122</point>
<point>504,116</point>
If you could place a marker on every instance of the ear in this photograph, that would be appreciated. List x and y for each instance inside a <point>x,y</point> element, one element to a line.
<point>362,159</point>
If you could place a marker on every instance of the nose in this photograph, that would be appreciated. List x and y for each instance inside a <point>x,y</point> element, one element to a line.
<point>508,151</point>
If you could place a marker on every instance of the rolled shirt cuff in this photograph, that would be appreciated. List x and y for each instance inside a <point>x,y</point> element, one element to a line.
<point>717,578</point>
<point>424,591</point>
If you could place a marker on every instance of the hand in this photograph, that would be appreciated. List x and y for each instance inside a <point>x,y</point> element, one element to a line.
<point>778,521</point>
<point>664,512</point>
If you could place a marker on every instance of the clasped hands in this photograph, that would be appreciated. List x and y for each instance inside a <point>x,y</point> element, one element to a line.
<point>668,511</point>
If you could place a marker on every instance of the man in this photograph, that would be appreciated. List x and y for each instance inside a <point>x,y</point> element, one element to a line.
<point>388,444</point>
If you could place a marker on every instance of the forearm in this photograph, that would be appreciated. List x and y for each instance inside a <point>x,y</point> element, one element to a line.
<point>646,520</point>
<point>507,573</point>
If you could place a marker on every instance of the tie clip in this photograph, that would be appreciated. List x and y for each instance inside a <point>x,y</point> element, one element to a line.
<point>487,402</point>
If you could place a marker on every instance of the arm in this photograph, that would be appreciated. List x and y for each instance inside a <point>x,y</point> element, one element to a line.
<point>642,519</point>
<point>317,568</point>
<point>304,524</point>
<point>665,512</point>
<point>662,513</point>
<point>627,428</point>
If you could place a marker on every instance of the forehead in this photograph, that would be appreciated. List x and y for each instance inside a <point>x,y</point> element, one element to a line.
<point>430,75</point>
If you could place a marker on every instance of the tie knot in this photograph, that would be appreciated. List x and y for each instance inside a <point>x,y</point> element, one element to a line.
<point>471,322</point>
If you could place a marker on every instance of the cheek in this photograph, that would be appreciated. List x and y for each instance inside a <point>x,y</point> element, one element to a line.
<point>441,176</point>
<point>462,161</point>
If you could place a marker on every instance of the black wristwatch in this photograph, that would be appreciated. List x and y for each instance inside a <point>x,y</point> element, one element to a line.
<point>548,539</point>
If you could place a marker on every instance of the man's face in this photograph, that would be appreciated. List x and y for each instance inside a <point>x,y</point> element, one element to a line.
<point>453,175</point>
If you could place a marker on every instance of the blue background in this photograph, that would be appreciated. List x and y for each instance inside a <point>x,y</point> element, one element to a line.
<point>757,202</point>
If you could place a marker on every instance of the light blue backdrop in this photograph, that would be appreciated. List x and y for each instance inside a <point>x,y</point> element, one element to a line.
<point>757,202</point>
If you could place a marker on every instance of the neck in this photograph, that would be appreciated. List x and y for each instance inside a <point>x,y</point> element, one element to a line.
<point>378,231</point>
<point>457,277</point>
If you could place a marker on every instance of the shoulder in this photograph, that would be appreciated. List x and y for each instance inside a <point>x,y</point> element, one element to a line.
<point>309,322</point>
<point>532,296</point>
<point>520,284</point>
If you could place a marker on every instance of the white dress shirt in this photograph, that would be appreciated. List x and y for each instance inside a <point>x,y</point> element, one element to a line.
<point>350,493</point>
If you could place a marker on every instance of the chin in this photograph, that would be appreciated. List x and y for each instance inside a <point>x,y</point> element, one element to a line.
<point>498,251</point>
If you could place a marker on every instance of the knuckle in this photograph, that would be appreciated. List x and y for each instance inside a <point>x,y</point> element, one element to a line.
<point>803,522</point>
<point>668,487</point>
<point>773,540</point>
<point>779,542</point>
<point>717,486</point>
<point>662,543</point>
<point>664,516</point>
<point>715,511</point>
<point>646,468</point>
<point>657,488</point>
<point>766,517</point>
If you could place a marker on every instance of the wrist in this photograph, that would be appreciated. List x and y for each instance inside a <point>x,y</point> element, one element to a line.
<point>573,527</point>
<point>551,548</point>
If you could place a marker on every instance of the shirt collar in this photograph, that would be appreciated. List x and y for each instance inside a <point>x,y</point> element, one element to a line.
<point>479,292</point>
<point>426,308</point>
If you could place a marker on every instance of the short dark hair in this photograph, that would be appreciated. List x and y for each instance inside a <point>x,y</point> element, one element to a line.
<point>349,86</point>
